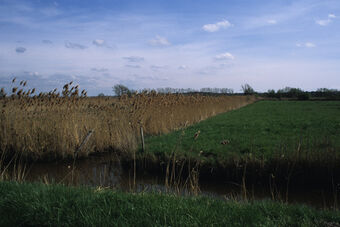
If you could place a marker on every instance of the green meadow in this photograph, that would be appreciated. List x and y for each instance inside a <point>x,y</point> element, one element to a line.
<point>265,130</point>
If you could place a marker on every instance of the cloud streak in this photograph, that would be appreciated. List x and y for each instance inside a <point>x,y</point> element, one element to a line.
<point>217,26</point>
<point>133,66</point>
<point>326,22</point>
<point>159,41</point>
<point>77,46</point>
<point>134,59</point>
<point>224,56</point>
<point>158,67</point>
<point>46,41</point>
<point>98,42</point>
<point>272,22</point>
<point>20,50</point>
<point>101,70</point>
<point>307,44</point>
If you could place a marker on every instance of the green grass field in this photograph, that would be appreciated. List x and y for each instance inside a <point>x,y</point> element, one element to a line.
<point>57,205</point>
<point>263,130</point>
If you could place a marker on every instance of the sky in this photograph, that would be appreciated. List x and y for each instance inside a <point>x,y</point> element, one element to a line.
<point>269,44</point>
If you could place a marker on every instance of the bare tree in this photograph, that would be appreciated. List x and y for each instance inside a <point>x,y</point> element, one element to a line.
<point>247,89</point>
<point>120,90</point>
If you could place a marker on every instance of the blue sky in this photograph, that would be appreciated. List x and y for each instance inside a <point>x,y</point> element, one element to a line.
<point>179,43</point>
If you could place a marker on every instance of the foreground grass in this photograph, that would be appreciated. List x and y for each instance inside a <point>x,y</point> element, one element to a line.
<point>56,205</point>
<point>263,130</point>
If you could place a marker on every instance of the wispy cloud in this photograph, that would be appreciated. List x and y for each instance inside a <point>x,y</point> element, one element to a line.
<point>20,50</point>
<point>307,44</point>
<point>159,41</point>
<point>327,21</point>
<point>101,70</point>
<point>133,66</point>
<point>101,43</point>
<point>217,26</point>
<point>323,22</point>
<point>224,56</point>
<point>182,67</point>
<point>272,21</point>
<point>98,42</point>
<point>134,59</point>
<point>74,46</point>
<point>32,73</point>
<point>45,41</point>
<point>158,67</point>
<point>310,45</point>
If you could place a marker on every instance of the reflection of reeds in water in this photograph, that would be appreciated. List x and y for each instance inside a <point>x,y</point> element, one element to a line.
<point>53,124</point>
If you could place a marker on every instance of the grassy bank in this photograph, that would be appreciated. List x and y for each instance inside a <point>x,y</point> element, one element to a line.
<point>56,205</point>
<point>287,143</point>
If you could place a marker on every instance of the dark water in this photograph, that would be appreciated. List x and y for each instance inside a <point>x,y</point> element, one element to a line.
<point>106,171</point>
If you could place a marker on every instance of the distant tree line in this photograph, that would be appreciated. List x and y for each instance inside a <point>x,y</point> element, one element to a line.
<point>326,93</point>
<point>287,92</point>
<point>297,93</point>
<point>120,89</point>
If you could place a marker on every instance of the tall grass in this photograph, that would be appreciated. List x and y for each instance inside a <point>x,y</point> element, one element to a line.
<point>56,205</point>
<point>54,124</point>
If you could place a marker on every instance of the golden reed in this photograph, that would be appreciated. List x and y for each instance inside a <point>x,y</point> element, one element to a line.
<point>53,124</point>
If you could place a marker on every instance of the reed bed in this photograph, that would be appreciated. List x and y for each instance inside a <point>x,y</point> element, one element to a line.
<point>54,124</point>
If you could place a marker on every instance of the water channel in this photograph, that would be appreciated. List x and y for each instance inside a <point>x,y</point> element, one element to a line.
<point>107,171</point>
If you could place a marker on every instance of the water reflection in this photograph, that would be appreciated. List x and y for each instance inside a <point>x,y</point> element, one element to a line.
<point>107,171</point>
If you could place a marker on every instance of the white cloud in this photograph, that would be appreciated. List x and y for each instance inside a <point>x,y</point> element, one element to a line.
<point>224,56</point>
<point>134,59</point>
<point>183,67</point>
<point>158,67</point>
<point>217,26</point>
<point>307,44</point>
<point>272,22</point>
<point>31,73</point>
<point>326,21</point>
<point>101,70</point>
<point>159,41</point>
<point>98,42</point>
<point>34,74</point>
<point>323,22</point>
<point>102,43</point>
<point>133,66</point>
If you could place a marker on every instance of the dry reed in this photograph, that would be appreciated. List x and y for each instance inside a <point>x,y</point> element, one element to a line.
<point>52,125</point>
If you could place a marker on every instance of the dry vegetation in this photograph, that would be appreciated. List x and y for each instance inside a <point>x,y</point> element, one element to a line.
<point>53,125</point>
